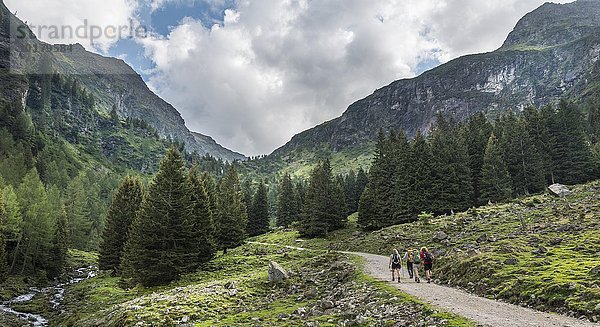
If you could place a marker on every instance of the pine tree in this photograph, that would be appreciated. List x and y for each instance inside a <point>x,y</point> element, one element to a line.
<point>496,184</point>
<point>361,183</point>
<point>349,183</point>
<point>520,154</point>
<point>248,194</point>
<point>258,220</point>
<point>213,195</point>
<point>4,269</point>
<point>367,214</point>
<point>124,208</point>
<point>157,250</point>
<point>420,176</point>
<point>321,212</point>
<point>400,156</point>
<point>202,227</point>
<point>233,216</point>
<point>452,187</point>
<point>476,133</point>
<point>381,173</point>
<point>287,211</point>
<point>537,124</point>
<point>573,158</point>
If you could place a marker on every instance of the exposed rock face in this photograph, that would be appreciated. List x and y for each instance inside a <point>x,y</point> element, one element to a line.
<point>111,81</point>
<point>276,272</point>
<point>552,53</point>
<point>559,190</point>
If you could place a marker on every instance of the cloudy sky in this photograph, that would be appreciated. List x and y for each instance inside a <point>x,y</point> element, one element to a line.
<point>252,73</point>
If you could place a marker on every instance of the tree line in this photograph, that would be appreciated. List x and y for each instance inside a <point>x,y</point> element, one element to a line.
<point>178,223</point>
<point>458,166</point>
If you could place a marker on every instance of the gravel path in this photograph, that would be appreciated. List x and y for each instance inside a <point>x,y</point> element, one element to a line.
<point>481,310</point>
<point>484,311</point>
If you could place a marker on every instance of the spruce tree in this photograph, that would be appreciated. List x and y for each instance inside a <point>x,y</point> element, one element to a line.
<point>400,157</point>
<point>233,216</point>
<point>520,154</point>
<point>420,176</point>
<point>248,195</point>
<point>573,158</point>
<point>349,183</point>
<point>258,220</point>
<point>202,227</point>
<point>452,184</point>
<point>361,183</point>
<point>213,195</point>
<point>125,206</point>
<point>496,184</point>
<point>381,186</point>
<point>321,212</point>
<point>367,214</point>
<point>476,133</point>
<point>158,250</point>
<point>287,211</point>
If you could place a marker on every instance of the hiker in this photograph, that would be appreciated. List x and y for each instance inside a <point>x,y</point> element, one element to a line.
<point>395,265</point>
<point>416,265</point>
<point>427,259</point>
<point>409,258</point>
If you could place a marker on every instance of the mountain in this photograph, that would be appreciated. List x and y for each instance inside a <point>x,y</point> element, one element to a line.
<point>552,53</point>
<point>111,81</point>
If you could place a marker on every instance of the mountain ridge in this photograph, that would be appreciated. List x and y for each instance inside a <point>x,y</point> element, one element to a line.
<point>531,68</point>
<point>111,80</point>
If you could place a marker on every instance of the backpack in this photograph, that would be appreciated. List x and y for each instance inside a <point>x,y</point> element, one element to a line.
<point>416,258</point>
<point>410,257</point>
<point>428,257</point>
<point>395,259</point>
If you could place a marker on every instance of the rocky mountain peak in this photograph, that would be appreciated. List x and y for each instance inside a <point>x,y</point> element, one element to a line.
<point>555,24</point>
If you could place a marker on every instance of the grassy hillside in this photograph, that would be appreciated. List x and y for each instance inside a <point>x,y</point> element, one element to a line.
<point>538,251</point>
<point>323,289</point>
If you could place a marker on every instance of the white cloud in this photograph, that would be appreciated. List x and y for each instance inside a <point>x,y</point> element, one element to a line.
<point>274,69</point>
<point>57,21</point>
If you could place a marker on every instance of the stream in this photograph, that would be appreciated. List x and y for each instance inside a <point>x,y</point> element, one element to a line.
<point>55,293</point>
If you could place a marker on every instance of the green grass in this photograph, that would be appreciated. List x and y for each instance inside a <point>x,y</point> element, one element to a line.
<point>483,241</point>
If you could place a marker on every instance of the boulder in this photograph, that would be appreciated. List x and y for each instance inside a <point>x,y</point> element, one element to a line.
<point>327,305</point>
<point>440,236</point>
<point>559,190</point>
<point>276,272</point>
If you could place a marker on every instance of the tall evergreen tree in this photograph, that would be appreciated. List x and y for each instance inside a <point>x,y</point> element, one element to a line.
<point>233,216</point>
<point>258,220</point>
<point>452,186</point>
<point>522,157</point>
<point>420,176</point>
<point>496,184</point>
<point>287,210</point>
<point>157,250</point>
<point>573,158</point>
<point>78,213</point>
<point>400,163</point>
<point>361,183</point>
<point>213,195</point>
<point>125,206</point>
<point>248,195</point>
<point>202,227</point>
<point>321,213</point>
<point>350,192</point>
<point>537,125</point>
<point>476,133</point>
<point>381,186</point>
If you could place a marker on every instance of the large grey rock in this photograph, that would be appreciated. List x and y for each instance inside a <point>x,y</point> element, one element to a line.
<point>440,236</point>
<point>276,272</point>
<point>559,190</point>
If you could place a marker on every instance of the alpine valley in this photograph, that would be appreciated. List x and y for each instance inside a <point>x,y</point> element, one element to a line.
<point>114,213</point>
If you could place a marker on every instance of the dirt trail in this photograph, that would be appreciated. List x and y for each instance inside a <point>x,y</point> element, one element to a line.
<point>484,311</point>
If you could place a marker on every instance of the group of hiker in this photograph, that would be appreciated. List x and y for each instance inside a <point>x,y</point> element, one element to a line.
<point>416,261</point>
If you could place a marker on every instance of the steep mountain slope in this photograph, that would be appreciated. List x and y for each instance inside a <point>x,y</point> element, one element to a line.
<point>552,53</point>
<point>111,81</point>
